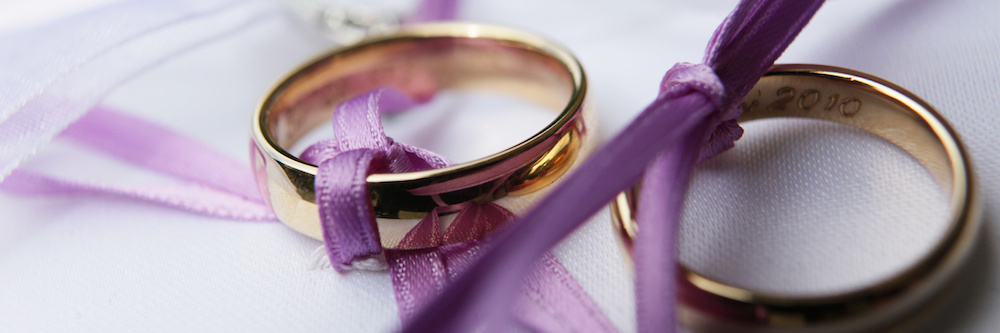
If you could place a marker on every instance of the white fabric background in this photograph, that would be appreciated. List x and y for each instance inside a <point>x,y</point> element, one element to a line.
<point>800,207</point>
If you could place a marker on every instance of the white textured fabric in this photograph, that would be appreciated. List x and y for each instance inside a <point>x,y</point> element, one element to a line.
<point>799,206</point>
<point>808,207</point>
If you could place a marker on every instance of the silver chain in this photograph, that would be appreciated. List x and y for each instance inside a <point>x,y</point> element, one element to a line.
<point>346,22</point>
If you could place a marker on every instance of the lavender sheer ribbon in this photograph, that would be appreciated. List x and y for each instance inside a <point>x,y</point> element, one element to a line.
<point>693,117</point>
<point>426,259</point>
<point>47,83</point>
<point>56,73</point>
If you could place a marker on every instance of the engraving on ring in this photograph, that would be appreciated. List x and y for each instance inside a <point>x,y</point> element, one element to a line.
<point>806,101</point>
<point>850,106</point>
<point>786,94</point>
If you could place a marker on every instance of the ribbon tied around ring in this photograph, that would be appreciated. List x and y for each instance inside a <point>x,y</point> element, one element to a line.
<point>359,148</point>
<point>693,118</point>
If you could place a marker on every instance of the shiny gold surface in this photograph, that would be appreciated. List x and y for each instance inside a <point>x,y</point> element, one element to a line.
<point>419,61</point>
<point>871,104</point>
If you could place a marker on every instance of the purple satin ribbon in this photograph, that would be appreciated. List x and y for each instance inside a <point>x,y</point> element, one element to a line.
<point>211,183</point>
<point>693,118</point>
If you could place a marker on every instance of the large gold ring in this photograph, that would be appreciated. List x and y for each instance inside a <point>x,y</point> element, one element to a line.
<point>874,105</point>
<point>419,60</point>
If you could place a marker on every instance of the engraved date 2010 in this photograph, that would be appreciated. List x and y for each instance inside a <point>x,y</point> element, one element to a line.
<point>807,100</point>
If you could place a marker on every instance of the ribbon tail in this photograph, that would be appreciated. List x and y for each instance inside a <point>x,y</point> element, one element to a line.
<point>553,301</point>
<point>189,197</point>
<point>151,146</point>
<point>661,201</point>
<point>753,36</point>
<point>417,275</point>
<point>217,186</point>
<point>550,300</point>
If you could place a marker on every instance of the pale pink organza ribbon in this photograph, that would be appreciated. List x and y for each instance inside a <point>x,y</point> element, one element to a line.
<point>217,186</point>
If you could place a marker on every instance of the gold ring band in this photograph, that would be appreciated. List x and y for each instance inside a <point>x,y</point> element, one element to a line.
<point>876,106</point>
<point>420,60</point>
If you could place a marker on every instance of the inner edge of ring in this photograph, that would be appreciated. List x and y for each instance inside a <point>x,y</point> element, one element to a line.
<point>437,30</point>
<point>949,251</point>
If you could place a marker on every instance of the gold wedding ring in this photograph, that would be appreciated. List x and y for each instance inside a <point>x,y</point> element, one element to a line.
<point>420,60</point>
<point>876,106</point>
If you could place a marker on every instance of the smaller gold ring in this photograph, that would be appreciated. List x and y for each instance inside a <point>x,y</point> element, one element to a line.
<point>419,60</point>
<point>892,113</point>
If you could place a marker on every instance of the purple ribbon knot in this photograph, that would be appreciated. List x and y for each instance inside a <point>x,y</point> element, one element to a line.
<point>685,78</point>
<point>360,148</point>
